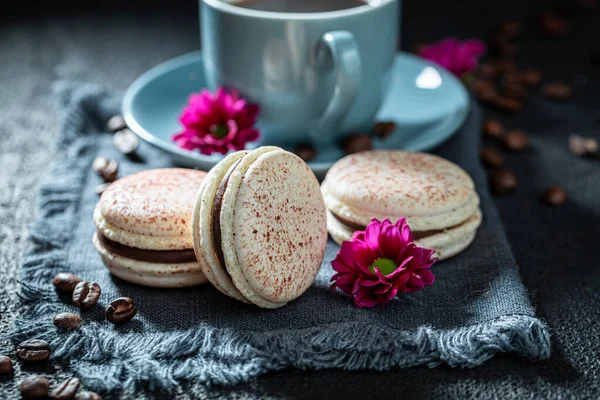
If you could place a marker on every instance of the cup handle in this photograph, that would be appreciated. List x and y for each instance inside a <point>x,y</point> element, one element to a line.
<point>337,50</point>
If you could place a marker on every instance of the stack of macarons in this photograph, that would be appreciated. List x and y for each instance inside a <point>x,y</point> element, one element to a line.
<point>436,197</point>
<point>260,226</point>
<point>144,228</point>
<point>255,226</point>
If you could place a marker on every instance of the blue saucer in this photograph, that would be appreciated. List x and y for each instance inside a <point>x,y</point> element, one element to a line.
<point>427,103</point>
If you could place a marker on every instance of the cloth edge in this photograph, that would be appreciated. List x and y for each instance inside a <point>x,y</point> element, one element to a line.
<point>350,347</point>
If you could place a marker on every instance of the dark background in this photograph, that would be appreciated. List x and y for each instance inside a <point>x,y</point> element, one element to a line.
<point>111,43</point>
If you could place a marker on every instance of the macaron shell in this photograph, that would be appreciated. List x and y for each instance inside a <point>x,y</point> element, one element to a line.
<point>429,191</point>
<point>274,228</point>
<point>446,244</point>
<point>150,209</point>
<point>202,228</point>
<point>150,274</point>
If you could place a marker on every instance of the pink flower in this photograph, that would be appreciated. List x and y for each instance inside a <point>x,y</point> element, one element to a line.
<point>456,56</point>
<point>217,122</point>
<point>381,261</point>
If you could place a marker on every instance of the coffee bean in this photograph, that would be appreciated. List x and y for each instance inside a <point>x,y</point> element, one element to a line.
<point>305,152</point>
<point>126,141</point>
<point>557,90</point>
<point>508,104</point>
<point>516,140</point>
<point>510,29</point>
<point>101,188</point>
<point>67,320</point>
<point>6,366</point>
<point>384,129</point>
<point>357,143</point>
<point>555,196</point>
<point>33,351</point>
<point>34,387</point>
<point>65,281</point>
<point>120,310</point>
<point>65,390</point>
<point>116,123</point>
<point>86,294</point>
<point>515,90</point>
<point>552,24</point>
<point>503,181</point>
<point>106,169</point>
<point>88,396</point>
<point>493,128</point>
<point>491,158</point>
<point>488,71</point>
<point>531,77</point>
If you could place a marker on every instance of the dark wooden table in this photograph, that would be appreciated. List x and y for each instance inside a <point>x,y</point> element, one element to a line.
<point>557,249</point>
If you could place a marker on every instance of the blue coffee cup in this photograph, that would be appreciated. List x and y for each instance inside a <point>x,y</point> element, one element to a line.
<point>316,76</point>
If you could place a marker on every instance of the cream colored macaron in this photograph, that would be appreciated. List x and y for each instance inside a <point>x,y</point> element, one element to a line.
<point>260,227</point>
<point>144,228</point>
<point>436,197</point>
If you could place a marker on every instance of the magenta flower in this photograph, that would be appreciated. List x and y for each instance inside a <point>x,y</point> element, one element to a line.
<point>456,56</point>
<point>381,261</point>
<point>217,122</point>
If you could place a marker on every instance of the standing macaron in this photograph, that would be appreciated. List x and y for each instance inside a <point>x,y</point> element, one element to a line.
<point>144,228</point>
<point>436,197</point>
<point>260,226</point>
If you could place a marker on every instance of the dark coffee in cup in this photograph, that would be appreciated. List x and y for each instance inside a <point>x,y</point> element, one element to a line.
<point>299,6</point>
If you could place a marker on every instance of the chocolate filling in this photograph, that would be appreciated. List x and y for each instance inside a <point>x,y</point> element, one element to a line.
<point>416,234</point>
<point>216,216</point>
<point>152,256</point>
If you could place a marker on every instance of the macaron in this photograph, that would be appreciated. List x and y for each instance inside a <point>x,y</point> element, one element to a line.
<point>437,198</point>
<point>144,228</point>
<point>260,226</point>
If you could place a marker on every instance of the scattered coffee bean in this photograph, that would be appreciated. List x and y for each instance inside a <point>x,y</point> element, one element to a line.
<point>557,90</point>
<point>555,196</point>
<point>101,188</point>
<point>126,141</point>
<point>581,146</point>
<point>516,140</point>
<point>488,71</point>
<point>305,152</point>
<point>6,366</point>
<point>106,169</point>
<point>33,351</point>
<point>357,143</point>
<point>532,77</point>
<point>507,104</point>
<point>503,181</point>
<point>493,128</point>
<point>506,66</point>
<point>86,294</point>
<point>515,90</point>
<point>34,387</point>
<point>116,124</point>
<point>88,396</point>
<point>65,281</point>
<point>552,24</point>
<point>67,320</point>
<point>510,29</point>
<point>384,129</point>
<point>120,310</point>
<point>491,158</point>
<point>65,390</point>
